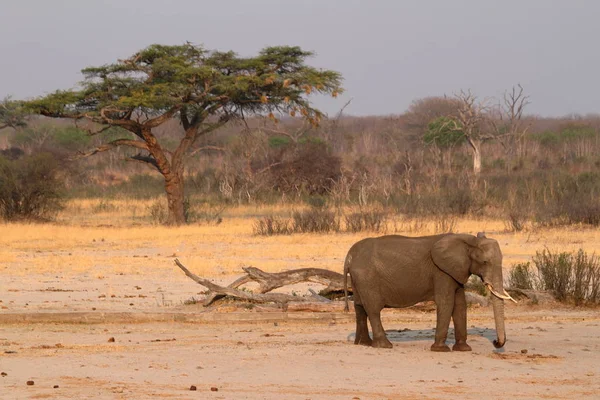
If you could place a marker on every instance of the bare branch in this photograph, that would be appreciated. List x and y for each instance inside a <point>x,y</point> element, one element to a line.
<point>294,136</point>
<point>199,149</point>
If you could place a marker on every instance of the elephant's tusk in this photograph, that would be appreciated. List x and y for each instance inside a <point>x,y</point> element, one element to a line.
<point>498,295</point>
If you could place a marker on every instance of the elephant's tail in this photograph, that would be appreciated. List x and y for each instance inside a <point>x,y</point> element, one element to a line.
<point>346,272</point>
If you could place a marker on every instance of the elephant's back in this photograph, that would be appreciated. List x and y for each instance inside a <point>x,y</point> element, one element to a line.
<point>401,266</point>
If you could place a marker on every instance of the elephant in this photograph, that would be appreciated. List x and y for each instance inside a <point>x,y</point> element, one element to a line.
<point>396,271</point>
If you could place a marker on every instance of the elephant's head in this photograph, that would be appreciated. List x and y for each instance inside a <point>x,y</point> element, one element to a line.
<point>462,255</point>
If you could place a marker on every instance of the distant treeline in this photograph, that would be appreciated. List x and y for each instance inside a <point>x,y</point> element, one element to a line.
<point>550,175</point>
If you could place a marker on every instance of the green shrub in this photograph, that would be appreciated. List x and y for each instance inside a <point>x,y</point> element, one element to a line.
<point>521,277</point>
<point>569,275</point>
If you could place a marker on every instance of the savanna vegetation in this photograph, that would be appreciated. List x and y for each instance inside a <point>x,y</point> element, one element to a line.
<point>219,130</point>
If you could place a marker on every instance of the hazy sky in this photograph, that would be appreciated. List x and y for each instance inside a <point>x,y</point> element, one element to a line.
<point>390,52</point>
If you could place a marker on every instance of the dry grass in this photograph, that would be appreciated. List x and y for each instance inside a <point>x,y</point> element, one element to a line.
<point>99,237</point>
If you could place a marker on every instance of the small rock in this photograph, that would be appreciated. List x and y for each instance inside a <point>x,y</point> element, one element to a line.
<point>214,389</point>
<point>55,387</point>
<point>524,351</point>
<point>111,340</point>
<point>130,304</point>
<point>93,308</point>
<point>193,387</point>
<point>3,374</point>
<point>30,383</point>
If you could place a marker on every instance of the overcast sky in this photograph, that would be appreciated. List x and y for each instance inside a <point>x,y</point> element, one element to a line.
<point>390,52</point>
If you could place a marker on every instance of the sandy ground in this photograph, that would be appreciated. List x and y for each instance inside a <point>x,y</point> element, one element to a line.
<point>47,269</point>
<point>303,360</point>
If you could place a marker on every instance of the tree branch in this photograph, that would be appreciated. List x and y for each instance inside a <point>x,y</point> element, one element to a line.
<point>89,130</point>
<point>111,145</point>
<point>145,159</point>
<point>161,119</point>
<point>199,149</point>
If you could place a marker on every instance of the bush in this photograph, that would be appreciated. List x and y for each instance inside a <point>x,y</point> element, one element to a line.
<point>30,187</point>
<point>315,220</point>
<point>158,212</point>
<point>515,220</point>
<point>554,272</point>
<point>271,225</point>
<point>204,213</point>
<point>521,277</point>
<point>310,169</point>
<point>570,276</point>
<point>373,221</point>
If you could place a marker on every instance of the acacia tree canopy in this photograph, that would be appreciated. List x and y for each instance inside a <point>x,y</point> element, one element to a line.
<point>12,114</point>
<point>202,89</point>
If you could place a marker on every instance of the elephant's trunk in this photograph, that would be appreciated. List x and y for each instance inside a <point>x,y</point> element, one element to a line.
<point>498,305</point>
<point>498,296</point>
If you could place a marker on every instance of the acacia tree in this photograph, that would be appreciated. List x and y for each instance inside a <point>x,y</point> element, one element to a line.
<point>12,114</point>
<point>202,89</point>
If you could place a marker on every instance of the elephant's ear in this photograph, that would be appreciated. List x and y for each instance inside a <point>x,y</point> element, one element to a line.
<point>452,254</point>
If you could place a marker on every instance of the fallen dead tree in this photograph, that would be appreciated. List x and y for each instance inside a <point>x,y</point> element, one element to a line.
<point>270,281</point>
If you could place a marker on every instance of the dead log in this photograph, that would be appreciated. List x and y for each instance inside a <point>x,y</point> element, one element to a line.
<point>229,291</point>
<point>267,282</point>
<point>333,281</point>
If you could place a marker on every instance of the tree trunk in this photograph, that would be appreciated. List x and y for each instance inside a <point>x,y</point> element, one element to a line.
<point>476,148</point>
<point>175,198</point>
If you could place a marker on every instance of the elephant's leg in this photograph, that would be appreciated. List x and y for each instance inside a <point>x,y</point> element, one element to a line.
<point>362,330</point>
<point>379,337</point>
<point>444,301</point>
<point>459,316</point>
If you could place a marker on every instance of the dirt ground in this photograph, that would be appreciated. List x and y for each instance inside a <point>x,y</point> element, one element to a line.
<point>550,354</point>
<point>86,285</point>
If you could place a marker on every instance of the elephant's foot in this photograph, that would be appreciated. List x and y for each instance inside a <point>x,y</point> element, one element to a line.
<point>365,341</point>
<point>383,343</point>
<point>440,347</point>
<point>461,346</point>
